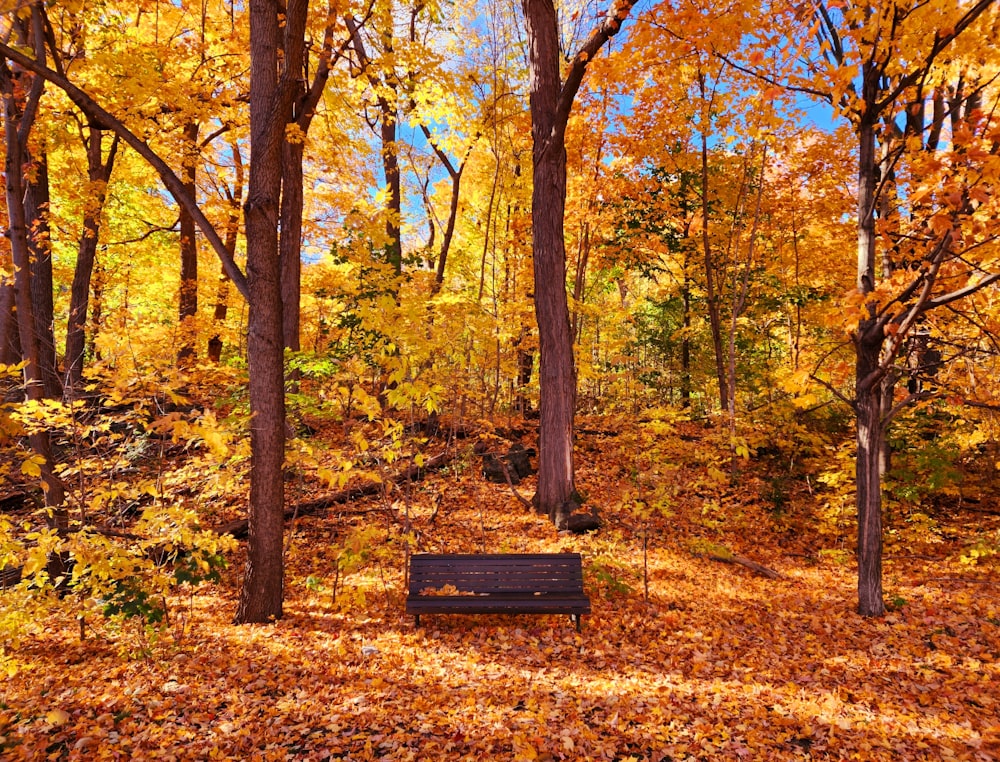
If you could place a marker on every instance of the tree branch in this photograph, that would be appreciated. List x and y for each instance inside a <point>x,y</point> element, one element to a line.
<point>173,184</point>
<point>604,31</point>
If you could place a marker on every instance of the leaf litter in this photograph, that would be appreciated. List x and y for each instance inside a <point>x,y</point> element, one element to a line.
<point>718,663</point>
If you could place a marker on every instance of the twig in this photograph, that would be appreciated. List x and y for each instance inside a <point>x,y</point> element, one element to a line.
<point>506,475</point>
<point>760,569</point>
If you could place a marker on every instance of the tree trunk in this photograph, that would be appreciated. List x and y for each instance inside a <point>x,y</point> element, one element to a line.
<point>98,172</point>
<point>868,343</point>
<point>869,478</point>
<point>449,228</point>
<point>394,206</point>
<point>686,338</point>
<point>10,347</point>
<point>551,101</point>
<point>711,292</point>
<point>187,303</point>
<point>270,110</point>
<point>579,282</point>
<point>17,124</point>
<point>232,232</point>
<point>36,210</point>
<point>556,371</point>
<point>291,242</point>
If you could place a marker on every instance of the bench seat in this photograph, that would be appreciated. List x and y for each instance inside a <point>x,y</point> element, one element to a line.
<point>497,583</point>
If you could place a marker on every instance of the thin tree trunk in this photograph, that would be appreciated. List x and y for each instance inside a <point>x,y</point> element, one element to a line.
<point>711,293</point>
<point>868,373</point>
<point>291,242</point>
<point>17,124</point>
<point>869,479</point>
<point>579,282</point>
<point>187,308</point>
<point>231,235</point>
<point>98,282</point>
<point>456,186</point>
<point>486,229</point>
<point>98,173</point>
<point>390,167</point>
<point>740,298</point>
<point>36,210</point>
<point>10,347</point>
<point>686,337</point>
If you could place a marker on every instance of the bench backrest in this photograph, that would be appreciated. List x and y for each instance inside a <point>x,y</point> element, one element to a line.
<point>498,572</point>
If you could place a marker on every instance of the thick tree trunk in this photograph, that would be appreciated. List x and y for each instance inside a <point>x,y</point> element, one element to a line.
<point>187,302</point>
<point>551,102</point>
<point>556,371</point>
<point>270,110</point>
<point>98,172</point>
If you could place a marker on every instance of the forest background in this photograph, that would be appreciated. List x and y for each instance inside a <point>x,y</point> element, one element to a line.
<point>727,270</point>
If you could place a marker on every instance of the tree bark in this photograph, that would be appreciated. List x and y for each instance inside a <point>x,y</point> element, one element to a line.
<point>868,476</point>
<point>270,111</point>
<point>869,373</point>
<point>18,120</point>
<point>711,292</point>
<point>10,348</point>
<point>556,369</point>
<point>98,173</point>
<point>187,302</point>
<point>291,243</point>
<point>36,211</point>
<point>551,101</point>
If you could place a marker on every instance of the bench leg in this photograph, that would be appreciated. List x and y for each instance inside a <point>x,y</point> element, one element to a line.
<point>576,618</point>
<point>416,620</point>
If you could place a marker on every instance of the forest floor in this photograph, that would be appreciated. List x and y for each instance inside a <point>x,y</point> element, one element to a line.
<point>713,662</point>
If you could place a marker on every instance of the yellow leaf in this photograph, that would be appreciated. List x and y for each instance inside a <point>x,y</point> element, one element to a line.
<point>57,717</point>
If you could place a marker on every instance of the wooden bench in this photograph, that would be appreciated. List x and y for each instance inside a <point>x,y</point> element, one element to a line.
<point>497,583</point>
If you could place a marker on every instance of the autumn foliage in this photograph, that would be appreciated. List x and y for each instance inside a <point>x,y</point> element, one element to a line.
<point>281,302</point>
<point>684,657</point>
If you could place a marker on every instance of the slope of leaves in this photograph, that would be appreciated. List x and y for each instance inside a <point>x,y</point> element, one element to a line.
<point>714,663</point>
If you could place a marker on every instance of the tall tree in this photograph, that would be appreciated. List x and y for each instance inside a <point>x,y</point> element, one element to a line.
<point>21,96</point>
<point>551,102</point>
<point>272,92</point>
<point>887,67</point>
